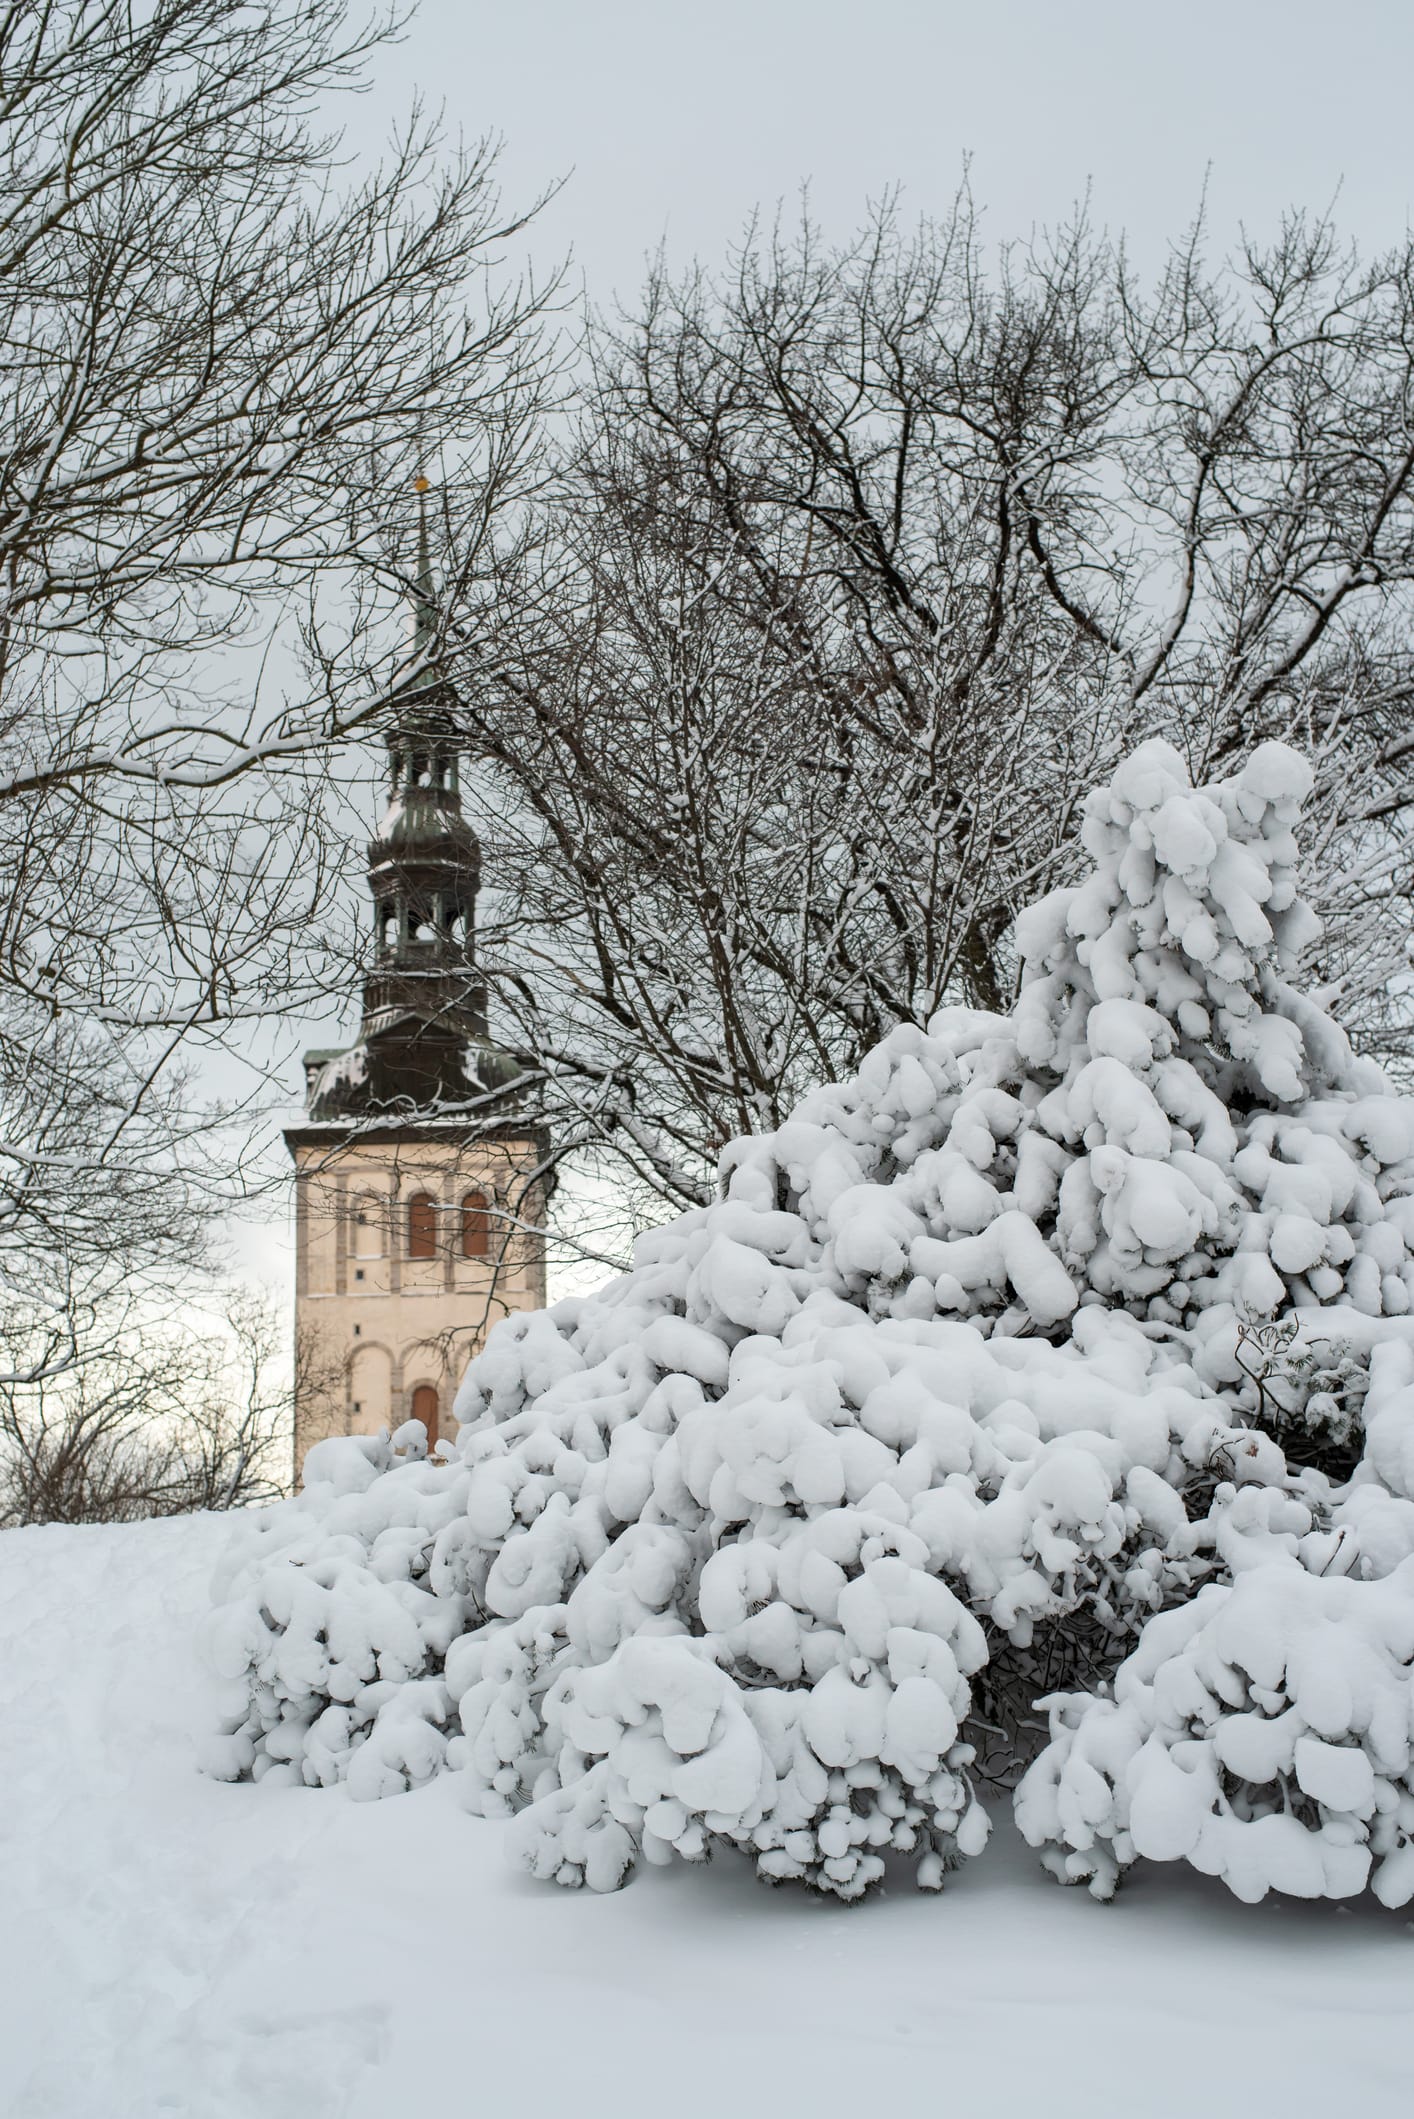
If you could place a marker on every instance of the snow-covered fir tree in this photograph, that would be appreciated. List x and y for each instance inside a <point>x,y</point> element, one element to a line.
<point>1026,1366</point>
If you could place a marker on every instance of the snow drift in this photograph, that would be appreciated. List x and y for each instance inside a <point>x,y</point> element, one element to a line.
<point>957,1400</point>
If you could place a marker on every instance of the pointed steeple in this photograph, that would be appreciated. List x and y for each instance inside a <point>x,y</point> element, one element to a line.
<point>422,698</point>
<point>423,1039</point>
<point>424,607</point>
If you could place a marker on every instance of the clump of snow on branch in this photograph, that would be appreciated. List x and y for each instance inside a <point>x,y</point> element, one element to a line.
<point>942,1406</point>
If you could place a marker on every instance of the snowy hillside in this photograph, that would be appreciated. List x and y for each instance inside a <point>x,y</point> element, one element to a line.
<point>171,1945</point>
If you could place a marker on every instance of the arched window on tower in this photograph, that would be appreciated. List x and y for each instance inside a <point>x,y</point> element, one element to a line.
<point>476,1226</point>
<point>422,1226</point>
<point>424,1408</point>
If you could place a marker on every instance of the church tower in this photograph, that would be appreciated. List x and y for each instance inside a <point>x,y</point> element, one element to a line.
<point>420,1185</point>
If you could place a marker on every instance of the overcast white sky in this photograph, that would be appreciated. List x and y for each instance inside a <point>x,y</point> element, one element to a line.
<point>674,120</point>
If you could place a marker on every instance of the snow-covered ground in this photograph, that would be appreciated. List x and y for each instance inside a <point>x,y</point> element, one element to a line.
<point>174,1945</point>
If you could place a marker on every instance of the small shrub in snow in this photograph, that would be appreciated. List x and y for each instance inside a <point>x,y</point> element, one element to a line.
<point>1261,1732</point>
<point>942,1407</point>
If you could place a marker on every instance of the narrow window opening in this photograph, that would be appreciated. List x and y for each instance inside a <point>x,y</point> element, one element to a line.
<point>476,1226</point>
<point>422,1226</point>
<point>425,1409</point>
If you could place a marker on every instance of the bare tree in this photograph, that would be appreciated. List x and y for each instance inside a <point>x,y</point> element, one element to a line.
<point>156,1419</point>
<point>867,563</point>
<point>222,358</point>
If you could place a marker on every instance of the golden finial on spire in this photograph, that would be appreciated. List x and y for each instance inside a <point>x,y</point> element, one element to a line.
<point>421,484</point>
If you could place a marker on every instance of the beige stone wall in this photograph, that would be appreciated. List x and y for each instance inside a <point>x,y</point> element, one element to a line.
<point>373,1323</point>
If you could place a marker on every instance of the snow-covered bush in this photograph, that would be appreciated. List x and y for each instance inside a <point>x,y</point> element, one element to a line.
<point>942,1406</point>
<point>1261,1732</point>
<point>1264,1730</point>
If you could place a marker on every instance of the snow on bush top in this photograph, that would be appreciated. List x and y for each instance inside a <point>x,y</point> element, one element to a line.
<point>933,1407</point>
<point>1161,1124</point>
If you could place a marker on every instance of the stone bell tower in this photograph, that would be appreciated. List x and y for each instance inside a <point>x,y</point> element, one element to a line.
<point>420,1184</point>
